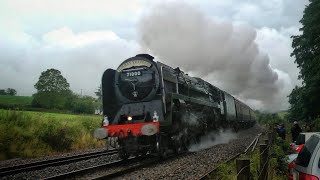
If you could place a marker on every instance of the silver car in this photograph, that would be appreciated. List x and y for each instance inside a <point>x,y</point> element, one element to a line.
<point>308,161</point>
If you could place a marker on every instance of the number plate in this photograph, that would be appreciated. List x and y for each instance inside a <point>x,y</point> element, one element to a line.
<point>134,73</point>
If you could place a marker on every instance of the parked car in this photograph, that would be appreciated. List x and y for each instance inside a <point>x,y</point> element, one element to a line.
<point>295,149</point>
<point>307,164</point>
<point>299,143</point>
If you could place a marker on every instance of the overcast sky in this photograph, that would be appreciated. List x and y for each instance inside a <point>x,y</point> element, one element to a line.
<point>82,38</point>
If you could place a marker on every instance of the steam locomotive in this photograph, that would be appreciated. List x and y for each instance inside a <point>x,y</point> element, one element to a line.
<point>150,107</point>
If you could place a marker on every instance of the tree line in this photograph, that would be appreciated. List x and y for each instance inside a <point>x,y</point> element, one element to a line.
<point>8,91</point>
<point>53,92</point>
<point>305,99</point>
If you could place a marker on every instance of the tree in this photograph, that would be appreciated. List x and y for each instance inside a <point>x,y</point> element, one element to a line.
<point>51,80</point>
<point>8,91</point>
<point>52,90</point>
<point>298,109</point>
<point>11,92</point>
<point>85,104</point>
<point>307,56</point>
<point>3,92</point>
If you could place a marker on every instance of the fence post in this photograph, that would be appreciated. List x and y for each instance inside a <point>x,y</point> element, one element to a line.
<point>275,133</point>
<point>270,137</point>
<point>243,169</point>
<point>263,162</point>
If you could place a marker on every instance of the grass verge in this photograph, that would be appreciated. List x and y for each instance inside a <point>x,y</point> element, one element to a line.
<point>277,164</point>
<point>33,134</point>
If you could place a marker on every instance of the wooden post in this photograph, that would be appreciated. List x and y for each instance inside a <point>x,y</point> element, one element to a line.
<point>270,137</point>
<point>266,141</point>
<point>243,169</point>
<point>275,132</point>
<point>263,162</point>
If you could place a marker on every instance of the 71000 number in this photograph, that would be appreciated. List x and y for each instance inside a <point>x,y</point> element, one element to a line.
<point>132,74</point>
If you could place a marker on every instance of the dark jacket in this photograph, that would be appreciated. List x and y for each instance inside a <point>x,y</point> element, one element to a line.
<point>282,132</point>
<point>295,131</point>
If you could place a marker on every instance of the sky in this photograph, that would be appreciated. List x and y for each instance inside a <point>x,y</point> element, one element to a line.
<point>241,46</point>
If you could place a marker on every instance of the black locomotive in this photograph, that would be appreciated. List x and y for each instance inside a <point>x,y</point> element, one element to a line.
<point>153,108</point>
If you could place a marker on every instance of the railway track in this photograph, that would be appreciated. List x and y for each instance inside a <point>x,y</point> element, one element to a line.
<point>134,163</point>
<point>252,145</point>
<point>92,169</point>
<point>140,165</point>
<point>121,167</point>
<point>52,162</point>
<point>108,170</point>
<point>149,162</point>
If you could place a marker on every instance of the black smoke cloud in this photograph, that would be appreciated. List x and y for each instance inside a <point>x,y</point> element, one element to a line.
<point>222,53</point>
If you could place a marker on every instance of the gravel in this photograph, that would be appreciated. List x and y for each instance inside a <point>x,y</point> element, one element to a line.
<point>194,165</point>
<point>190,166</point>
<point>51,171</point>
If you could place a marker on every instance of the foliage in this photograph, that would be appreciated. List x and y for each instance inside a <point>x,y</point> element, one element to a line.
<point>306,99</point>
<point>226,171</point>
<point>270,119</point>
<point>297,99</point>
<point>52,90</point>
<point>51,80</point>
<point>8,91</point>
<point>86,104</point>
<point>279,161</point>
<point>54,93</point>
<point>50,100</point>
<point>32,134</point>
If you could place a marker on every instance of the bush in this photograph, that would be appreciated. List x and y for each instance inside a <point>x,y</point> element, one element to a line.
<point>84,104</point>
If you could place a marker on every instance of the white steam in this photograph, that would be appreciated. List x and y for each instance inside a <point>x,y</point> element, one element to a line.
<point>213,138</point>
<point>224,54</point>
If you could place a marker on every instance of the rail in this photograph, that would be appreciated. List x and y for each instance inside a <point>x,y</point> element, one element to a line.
<point>252,144</point>
<point>52,162</point>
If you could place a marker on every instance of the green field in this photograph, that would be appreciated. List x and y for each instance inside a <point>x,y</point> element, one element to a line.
<point>15,101</point>
<point>33,134</point>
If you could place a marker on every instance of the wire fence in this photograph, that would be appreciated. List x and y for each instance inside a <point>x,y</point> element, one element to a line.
<point>243,164</point>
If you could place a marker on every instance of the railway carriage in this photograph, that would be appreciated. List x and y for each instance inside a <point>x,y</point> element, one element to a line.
<point>150,107</point>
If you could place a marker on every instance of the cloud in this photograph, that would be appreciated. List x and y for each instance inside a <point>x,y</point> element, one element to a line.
<point>39,17</point>
<point>65,37</point>
<point>81,57</point>
<point>277,43</point>
<point>225,54</point>
<point>82,38</point>
<point>271,13</point>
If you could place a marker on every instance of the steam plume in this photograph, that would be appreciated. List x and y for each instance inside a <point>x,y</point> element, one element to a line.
<point>213,138</point>
<point>224,54</point>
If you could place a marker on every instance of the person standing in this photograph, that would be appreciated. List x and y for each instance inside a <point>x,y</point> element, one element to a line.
<point>295,131</point>
<point>282,131</point>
